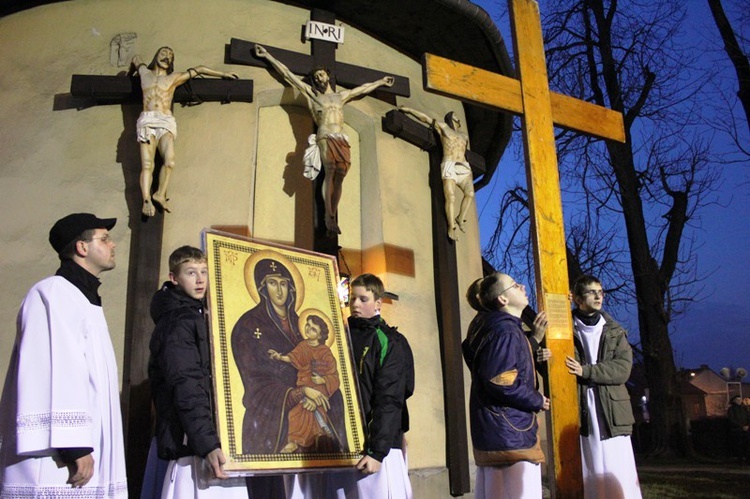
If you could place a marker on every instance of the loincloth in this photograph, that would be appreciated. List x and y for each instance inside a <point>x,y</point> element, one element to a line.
<point>311,159</point>
<point>339,154</point>
<point>455,170</point>
<point>154,124</point>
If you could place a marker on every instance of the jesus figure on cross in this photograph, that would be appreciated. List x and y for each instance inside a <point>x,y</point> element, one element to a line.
<point>327,109</point>
<point>455,171</point>
<point>156,127</point>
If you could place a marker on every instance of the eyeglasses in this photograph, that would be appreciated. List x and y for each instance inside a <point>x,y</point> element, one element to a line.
<point>105,239</point>
<point>514,285</point>
<point>598,293</point>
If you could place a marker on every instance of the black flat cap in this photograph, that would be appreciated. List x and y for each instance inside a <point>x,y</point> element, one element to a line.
<point>68,228</point>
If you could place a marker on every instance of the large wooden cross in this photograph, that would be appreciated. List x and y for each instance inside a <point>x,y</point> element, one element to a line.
<point>539,109</point>
<point>323,54</point>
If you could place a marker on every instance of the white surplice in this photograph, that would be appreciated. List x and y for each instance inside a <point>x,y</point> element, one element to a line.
<point>391,482</point>
<point>61,391</point>
<point>521,480</point>
<point>189,478</point>
<point>608,465</point>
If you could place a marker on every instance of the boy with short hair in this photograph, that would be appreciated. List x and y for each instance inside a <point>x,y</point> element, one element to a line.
<point>385,368</point>
<point>386,375</point>
<point>602,364</point>
<point>179,371</point>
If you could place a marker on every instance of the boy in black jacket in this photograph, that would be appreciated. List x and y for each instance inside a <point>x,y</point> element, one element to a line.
<point>179,371</point>
<point>386,379</point>
<point>385,369</point>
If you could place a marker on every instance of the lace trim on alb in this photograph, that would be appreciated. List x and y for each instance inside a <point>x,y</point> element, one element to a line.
<point>44,420</point>
<point>119,489</point>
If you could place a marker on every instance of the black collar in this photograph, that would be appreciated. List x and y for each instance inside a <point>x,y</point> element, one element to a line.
<point>365,323</point>
<point>81,278</point>
<point>589,320</point>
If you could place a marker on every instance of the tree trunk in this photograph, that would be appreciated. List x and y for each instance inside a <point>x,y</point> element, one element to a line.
<point>669,427</point>
<point>733,50</point>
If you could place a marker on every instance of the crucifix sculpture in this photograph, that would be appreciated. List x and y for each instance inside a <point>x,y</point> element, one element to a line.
<point>159,86</point>
<point>447,295</point>
<point>530,98</point>
<point>156,127</point>
<point>294,64</point>
<point>331,145</point>
<point>145,249</point>
<point>455,170</point>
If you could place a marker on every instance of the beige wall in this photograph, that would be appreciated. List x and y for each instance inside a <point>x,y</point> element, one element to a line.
<point>56,162</point>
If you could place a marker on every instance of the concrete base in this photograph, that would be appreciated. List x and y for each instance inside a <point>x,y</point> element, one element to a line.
<point>433,483</point>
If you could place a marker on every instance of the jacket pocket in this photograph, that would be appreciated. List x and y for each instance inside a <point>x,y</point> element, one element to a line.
<point>518,421</point>
<point>622,412</point>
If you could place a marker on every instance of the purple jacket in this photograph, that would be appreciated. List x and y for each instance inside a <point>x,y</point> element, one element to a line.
<point>504,400</point>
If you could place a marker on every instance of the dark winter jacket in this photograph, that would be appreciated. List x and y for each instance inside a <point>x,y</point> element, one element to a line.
<point>608,377</point>
<point>179,371</point>
<point>385,368</point>
<point>503,401</point>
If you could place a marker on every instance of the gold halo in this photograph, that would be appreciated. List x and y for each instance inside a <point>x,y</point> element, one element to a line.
<point>314,311</point>
<point>252,261</point>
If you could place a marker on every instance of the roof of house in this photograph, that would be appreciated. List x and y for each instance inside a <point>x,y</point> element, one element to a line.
<point>687,388</point>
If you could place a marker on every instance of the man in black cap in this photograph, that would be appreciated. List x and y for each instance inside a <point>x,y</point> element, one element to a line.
<point>60,409</point>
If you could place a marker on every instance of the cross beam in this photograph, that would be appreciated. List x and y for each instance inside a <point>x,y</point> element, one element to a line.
<point>348,75</point>
<point>539,109</point>
<point>104,90</point>
<point>493,90</point>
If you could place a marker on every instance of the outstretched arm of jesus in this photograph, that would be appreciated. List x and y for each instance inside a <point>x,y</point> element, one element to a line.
<point>136,61</point>
<point>417,114</point>
<point>183,77</point>
<point>440,126</point>
<point>138,65</point>
<point>203,70</point>
<point>348,95</point>
<point>284,71</point>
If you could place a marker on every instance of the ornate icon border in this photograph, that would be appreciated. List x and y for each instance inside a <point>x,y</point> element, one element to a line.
<point>226,254</point>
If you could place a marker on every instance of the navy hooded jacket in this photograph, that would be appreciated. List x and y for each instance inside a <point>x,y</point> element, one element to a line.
<point>504,400</point>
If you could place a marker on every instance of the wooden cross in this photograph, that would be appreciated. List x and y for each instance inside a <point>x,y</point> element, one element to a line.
<point>145,247</point>
<point>530,98</point>
<point>447,294</point>
<point>323,54</point>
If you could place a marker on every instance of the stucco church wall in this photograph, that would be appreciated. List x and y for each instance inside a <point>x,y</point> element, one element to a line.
<point>58,161</point>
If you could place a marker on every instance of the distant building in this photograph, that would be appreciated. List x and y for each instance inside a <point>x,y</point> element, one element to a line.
<point>705,398</point>
<point>693,400</point>
<point>706,394</point>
